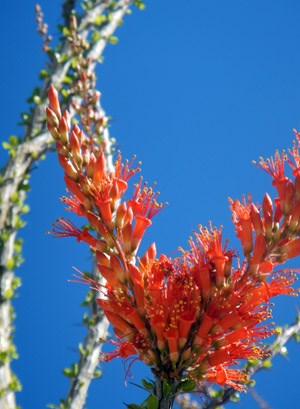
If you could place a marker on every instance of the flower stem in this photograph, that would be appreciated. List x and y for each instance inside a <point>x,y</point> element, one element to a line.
<point>165,391</point>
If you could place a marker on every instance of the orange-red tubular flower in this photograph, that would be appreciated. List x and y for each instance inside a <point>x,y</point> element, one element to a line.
<point>119,323</point>
<point>204,328</point>
<point>54,101</point>
<point>99,168</point>
<point>74,188</point>
<point>105,209</point>
<point>297,186</point>
<point>203,281</point>
<point>256,219</point>
<point>196,314</point>
<point>120,215</point>
<point>157,326</point>
<point>242,220</point>
<point>267,211</point>
<point>295,217</point>
<point>141,224</point>
<point>259,250</point>
<point>109,275</point>
<point>133,316</point>
<point>289,197</point>
<point>185,322</point>
<point>171,336</point>
<point>292,249</point>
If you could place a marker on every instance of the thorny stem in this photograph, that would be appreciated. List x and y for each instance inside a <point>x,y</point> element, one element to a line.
<point>36,142</point>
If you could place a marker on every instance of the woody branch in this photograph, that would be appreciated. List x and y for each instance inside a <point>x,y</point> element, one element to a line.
<point>34,143</point>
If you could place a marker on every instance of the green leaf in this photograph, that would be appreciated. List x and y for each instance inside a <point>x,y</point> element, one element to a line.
<point>15,197</point>
<point>97,374</point>
<point>16,283</point>
<point>112,39</point>
<point>151,402</point>
<point>14,140</point>
<point>9,293</point>
<point>235,397</point>
<point>64,93</point>
<point>63,58</point>
<point>267,364</point>
<point>297,337</point>
<point>36,99</point>
<point>25,209</point>
<point>6,145</point>
<point>100,20</point>
<point>43,74</point>
<point>166,388</point>
<point>67,372</point>
<point>187,385</point>
<point>149,385</point>
<point>65,31</point>
<point>10,265</point>
<point>96,36</point>
<point>139,4</point>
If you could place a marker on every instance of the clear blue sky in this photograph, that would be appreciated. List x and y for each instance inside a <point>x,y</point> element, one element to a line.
<point>197,90</point>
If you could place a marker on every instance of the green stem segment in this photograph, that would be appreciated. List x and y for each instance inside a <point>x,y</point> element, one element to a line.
<point>165,391</point>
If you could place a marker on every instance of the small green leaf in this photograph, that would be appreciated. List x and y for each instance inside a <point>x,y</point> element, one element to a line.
<point>63,58</point>
<point>235,397</point>
<point>112,39</point>
<point>139,4</point>
<point>6,145</point>
<point>65,31</point>
<point>43,74</point>
<point>187,385</point>
<point>37,99</point>
<point>151,402</point>
<point>64,93</point>
<point>133,406</point>
<point>15,197</point>
<point>14,140</point>
<point>96,36</point>
<point>251,383</point>
<point>97,374</point>
<point>267,364</point>
<point>148,385</point>
<point>68,80</point>
<point>25,209</point>
<point>16,283</point>
<point>67,372</point>
<point>166,388</point>
<point>297,337</point>
<point>9,293</point>
<point>100,20</point>
<point>252,362</point>
<point>10,264</point>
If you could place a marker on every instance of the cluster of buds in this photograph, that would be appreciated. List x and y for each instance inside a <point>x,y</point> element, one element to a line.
<point>42,28</point>
<point>270,232</point>
<point>194,316</point>
<point>97,191</point>
<point>87,106</point>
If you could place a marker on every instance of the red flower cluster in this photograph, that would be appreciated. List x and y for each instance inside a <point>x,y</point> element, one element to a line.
<point>196,315</point>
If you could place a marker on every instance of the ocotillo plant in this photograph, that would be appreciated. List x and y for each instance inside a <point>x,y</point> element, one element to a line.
<point>191,318</point>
